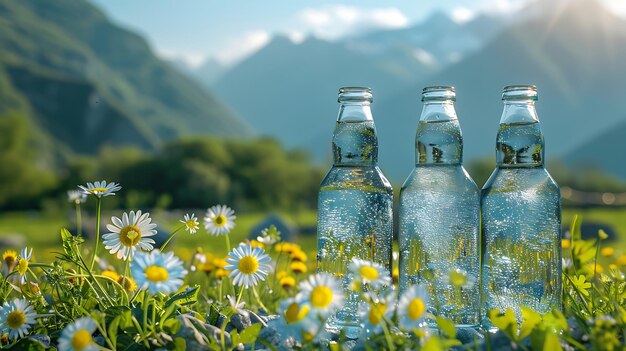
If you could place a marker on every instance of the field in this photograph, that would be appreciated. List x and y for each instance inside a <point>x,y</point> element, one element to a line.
<point>41,231</point>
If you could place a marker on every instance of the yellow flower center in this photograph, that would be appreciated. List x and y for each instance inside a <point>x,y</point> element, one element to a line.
<point>97,190</point>
<point>130,235</point>
<point>416,308</point>
<point>321,296</point>
<point>9,258</point>
<point>248,264</point>
<point>16,319</point>
<point>295,314</point>
<point>219,220</point>
<point>376,313</point>
<point>368,272</point>
<point>156,274</point>
<point>22,266</point>
<point>191,224</point>
<point>81,339</point>
<point>127,283</point>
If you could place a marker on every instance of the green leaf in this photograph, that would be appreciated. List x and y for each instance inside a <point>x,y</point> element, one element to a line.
<point>575,228</point>
<point>27,344</point>
<point>187,297</point>
<point>68,243</point>
<point>602,234</point>
<point>179,344</point>
<point>249,335</point>
<point>432,344</point>
<point>447,326</point>
<point>552,343</point>
<point>530,319</point>
<point>506,322</point>
<point>214,315</point>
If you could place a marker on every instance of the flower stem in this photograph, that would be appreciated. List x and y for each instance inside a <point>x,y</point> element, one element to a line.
<point>171,237</point>
<point>258,299</point>
<point>239,296</point>
<point>95,250</point>
<point>227,242</point>
<point>79,220</point>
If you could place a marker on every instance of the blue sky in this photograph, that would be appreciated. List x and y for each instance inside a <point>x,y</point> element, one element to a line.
<point>194,30</point>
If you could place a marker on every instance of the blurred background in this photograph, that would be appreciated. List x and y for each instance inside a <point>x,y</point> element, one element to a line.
<point>192,104</point>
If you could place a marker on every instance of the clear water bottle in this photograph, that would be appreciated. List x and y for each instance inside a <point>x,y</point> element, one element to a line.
<point>439,216</point>
<point>521,209</point>
<point>355,202</point>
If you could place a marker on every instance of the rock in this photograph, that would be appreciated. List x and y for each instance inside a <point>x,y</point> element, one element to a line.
<point>468,335</point>
<point>195,332</point>
<point>574,329</point>
<point>497,341</point>
<point>241,320</point>
<point>255,318</point>
<point>99,339</point>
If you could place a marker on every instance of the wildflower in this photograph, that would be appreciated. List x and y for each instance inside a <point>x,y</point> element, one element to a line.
<point>296,321</point>
<point>219,220</point>
<point>287,248</point>
<point>236,307</point>
<point>281,274</point>
<point>16,318</point>
<point>100,189</point>
<point>566,244</point>
<point>158,272</point>
<point>255,243</point>
<point>322,293</point>
<point>567,262</point>
<point>298,255</point>
<point>607,251</point>
<point>595,267</point>
<point>581,284</point>
<point>621,261</point>
<point>369,273</point>
<point>287,282</point>
<point>127,283</point>
<point>269,236</point>
<point>77,336</point>
<point>221,273</point>
<point>412,307</point>
<point>128,233</point>
<point>247,265</point>
<point>76,197</point>
<point>191,223</point>
<point>374,312</point>
<point>298,267</point>
<point>10,262</point>
<point>110,274</point>
<point>22,264</point>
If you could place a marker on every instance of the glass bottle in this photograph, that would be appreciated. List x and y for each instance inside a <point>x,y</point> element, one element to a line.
<point>439,215</point>
<point>521,216</point>
<point>355,202</point>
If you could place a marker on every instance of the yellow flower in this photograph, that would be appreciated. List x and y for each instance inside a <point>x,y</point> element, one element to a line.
<point>110,274</point>
<point>22,266</point>
<point>287,248</point>
<point>287,282</point>
<point>281,275</point>
<point>298,255</point>
<point>607,251</point>
<point>221,273</point>
<point>566,244</point>
<point>298,267</point>
<point>598,268</point>
<point>256,243</point>
<point>127,283</point>
<point>621,261</point>
<point>10,260</point>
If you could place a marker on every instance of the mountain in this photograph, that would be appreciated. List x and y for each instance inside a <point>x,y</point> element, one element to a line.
<point>605,151</point>
<point>576,55</point>
<point>288,90</point>
<point>84,82</point>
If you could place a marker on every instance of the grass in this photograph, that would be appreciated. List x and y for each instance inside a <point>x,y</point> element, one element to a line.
<point>41,231</point>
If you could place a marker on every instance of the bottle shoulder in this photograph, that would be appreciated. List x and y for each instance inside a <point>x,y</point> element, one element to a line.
<point>504,180</point>
<point>368,178</point>
<point>449,178</point>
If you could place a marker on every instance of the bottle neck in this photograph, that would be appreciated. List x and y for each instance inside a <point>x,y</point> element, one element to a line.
<point>354,140</point>
<point>438,139</point>
<point>520,141</point>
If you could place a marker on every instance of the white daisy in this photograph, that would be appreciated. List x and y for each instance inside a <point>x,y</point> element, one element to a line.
<point>219,220</point>
<point>128,233</point>
<point>16,318</point>
<point>158,272</point>
<point>76,196</point>
<point>369,273</point>
<point>22,264</point>
<point>100,189</point>
<point>323,293</point>
<point>77,336</point>
<point>373,312</point>
<point>236,307</point>
<point>191,223</point>
<point>248,265</point>
<point>9,258</point>
<point>412,307</point>
<point>296,321</point>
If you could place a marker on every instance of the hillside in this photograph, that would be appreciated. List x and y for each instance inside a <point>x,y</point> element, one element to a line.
<point>84,82</point>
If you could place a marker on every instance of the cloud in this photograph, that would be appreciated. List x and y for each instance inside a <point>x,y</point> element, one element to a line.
<point>335,21</point>
<point>243,46</point>
<point>616,6</point>
<point>505,6</point>
<point>190,59</point>
<point>462,14</point>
